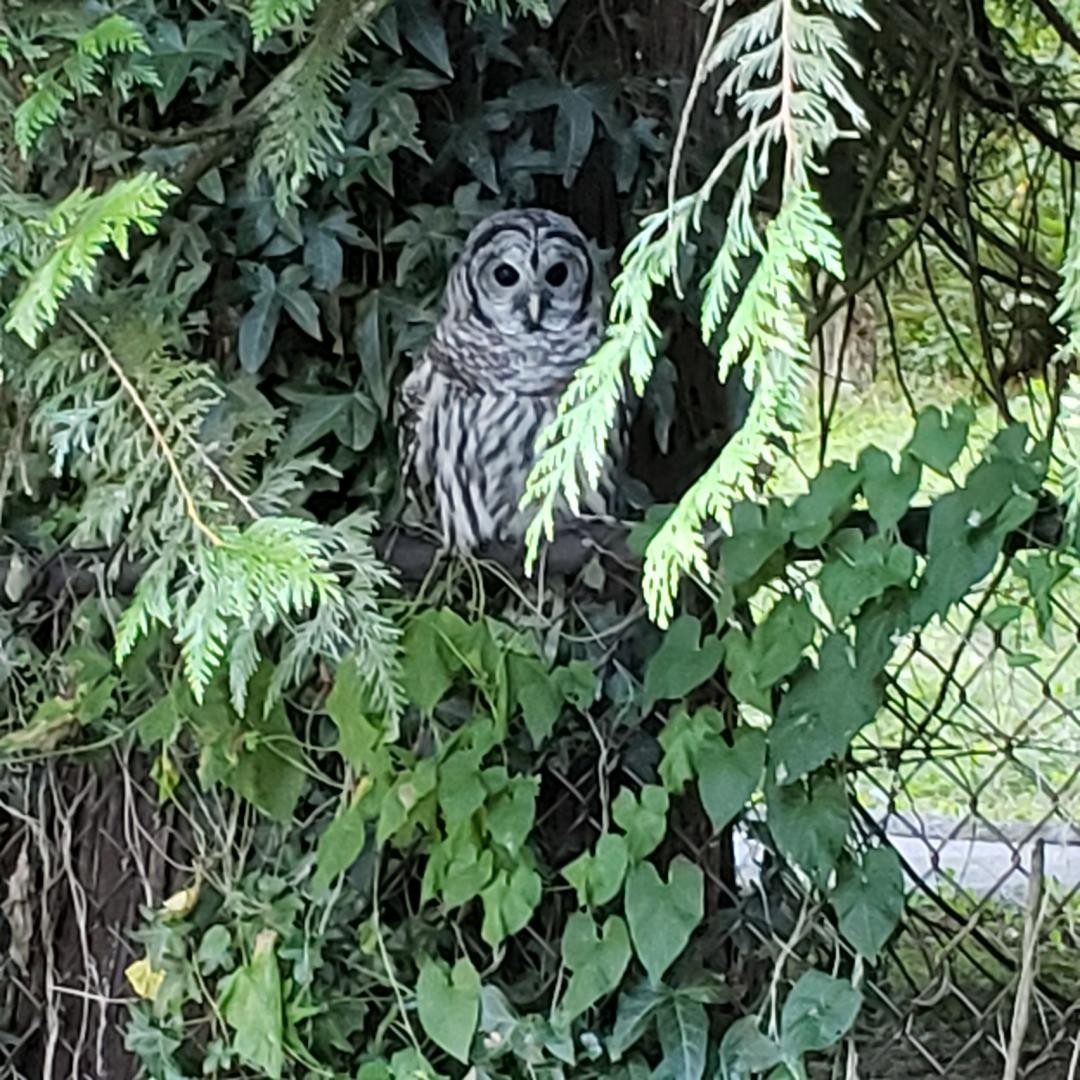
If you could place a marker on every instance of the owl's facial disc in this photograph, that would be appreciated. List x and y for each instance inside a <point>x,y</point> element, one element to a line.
<point>530,273</point>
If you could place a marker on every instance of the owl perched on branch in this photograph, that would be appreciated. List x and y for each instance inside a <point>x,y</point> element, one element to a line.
<point>523,309</point>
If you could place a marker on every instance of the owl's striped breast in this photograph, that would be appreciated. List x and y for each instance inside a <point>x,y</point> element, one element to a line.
<point>475,451</point>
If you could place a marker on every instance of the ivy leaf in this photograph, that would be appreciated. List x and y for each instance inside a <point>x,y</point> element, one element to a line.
<point>597,961</point>
<point>461,791</point>
<point>939,437</point>
<point>597,876</point>
<point>422,28</point>
<point>745,1051</point>
<point>349,706</point>
<point>215,950</point>
<point>809,828</point>
<point>888,494</point>
<point>779,640</point>
<point>644,821</point>
<point>869,899</point>
<point>428,667</point>
<point>509,902</point>
<point>533,688</point>
<point>258,326</point>
<point>663,915</point>
<point>578,684</point>
<point>635,1013</point>
<point>270,775</point>
<point>298,302</point>
<point>859,570</point>
<point>250,1002</point>
<point>681,739</point>
<point>1042,571</point>
<point>574,131</point>
<point>340,844</point>
<point>683,1026</point>
<point>817,1014</point>
<point>683,661</point>
<point>756,537</point>
<point>729,775</point>
<point>823,711</point>
<point>813,516</point>
<point>511,814</point>
<point>448,1004</point>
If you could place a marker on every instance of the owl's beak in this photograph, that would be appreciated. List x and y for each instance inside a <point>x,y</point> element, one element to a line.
<point>534,305</point>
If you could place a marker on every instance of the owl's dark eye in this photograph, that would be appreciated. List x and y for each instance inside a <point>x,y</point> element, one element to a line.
<point>556,274</point>
<point>506,275</point>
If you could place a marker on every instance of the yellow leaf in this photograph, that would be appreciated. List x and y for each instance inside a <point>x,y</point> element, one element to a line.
<point>181,903</point>
<point>145,981</point>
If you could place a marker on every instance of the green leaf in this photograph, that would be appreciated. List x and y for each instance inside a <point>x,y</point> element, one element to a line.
<point>809,827</point>
<point>349,705</point>
<point>860,570</point>
<point>888,494</point>
<point>597,961</point>
<point>535,691</point>
<point>683,661</point>
<point>869,899</point>
<point>644,821</point>
<point>578,684</point>
<point>270,774</point>
<point>635,1013</point>
<point>340,844</point>
<point>967,530</point>
<point>1002,615</point>
<point>813,516</point>
<point>684,1032</point>
<point>779,640</point>
<point>422,28</point>
<point>461,791</point>
<point>940,437</point>
<point>1043,571</point>
<point>824,710</point>
<point>681,740</point>
<point>745,1051</point>
<point>250,1002</point>
<point>756,537</point>
<point>215,950</point>
<point>428,663</point>
<point>597,876</point>
<point>511,814</point>
<point>729,775</point>
<point>509,902</point>
<point>257,329</point>
<point>448,1004</point>
<point>817,1014</point>
<point>663,915</point>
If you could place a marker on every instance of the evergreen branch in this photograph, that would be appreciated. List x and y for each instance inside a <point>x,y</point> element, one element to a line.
<point>82,225</point>
<point>151,423</point>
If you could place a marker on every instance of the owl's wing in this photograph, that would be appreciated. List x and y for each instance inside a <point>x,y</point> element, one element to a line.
<point>412,398</point>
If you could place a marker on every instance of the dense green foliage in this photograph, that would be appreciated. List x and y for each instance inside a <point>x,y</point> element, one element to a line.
<point>224,229</point>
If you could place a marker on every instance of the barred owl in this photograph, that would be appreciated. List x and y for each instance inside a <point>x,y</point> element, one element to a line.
<point>522,311</point>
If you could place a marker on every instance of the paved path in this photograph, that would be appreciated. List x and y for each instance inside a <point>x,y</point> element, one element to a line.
<point>951,853</point>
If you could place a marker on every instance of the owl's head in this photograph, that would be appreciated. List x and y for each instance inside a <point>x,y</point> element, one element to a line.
<point>524,272</point>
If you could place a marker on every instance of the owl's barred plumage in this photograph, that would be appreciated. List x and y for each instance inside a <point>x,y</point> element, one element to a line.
<point>523,309</point>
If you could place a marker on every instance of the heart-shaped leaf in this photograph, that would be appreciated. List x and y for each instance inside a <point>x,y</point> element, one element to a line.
<point>598,962</point>
<point>663,915</point>
<point>729,775</point>
<point>449,1005</point>
<point>869,899</point>
<point>597,876</point>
